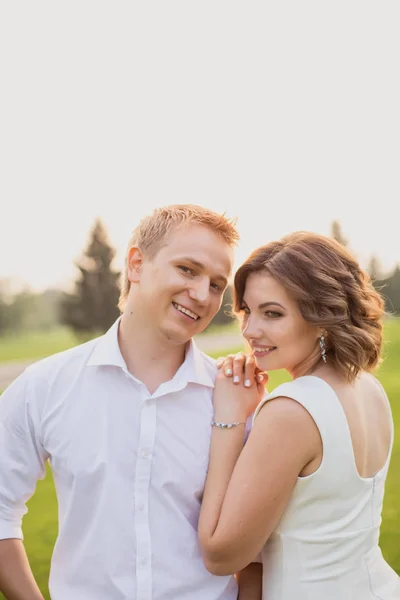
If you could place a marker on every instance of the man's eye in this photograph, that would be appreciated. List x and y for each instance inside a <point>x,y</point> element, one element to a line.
<point>186,270</point>
<point>216,287</point>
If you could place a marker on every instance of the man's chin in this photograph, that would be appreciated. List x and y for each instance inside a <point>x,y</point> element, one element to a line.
<point>180,335</point>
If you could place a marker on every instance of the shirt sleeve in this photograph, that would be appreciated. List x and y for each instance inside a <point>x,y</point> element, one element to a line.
<point>22,456</point>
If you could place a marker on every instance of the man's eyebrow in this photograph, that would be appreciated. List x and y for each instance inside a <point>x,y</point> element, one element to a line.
<point>200,265</point>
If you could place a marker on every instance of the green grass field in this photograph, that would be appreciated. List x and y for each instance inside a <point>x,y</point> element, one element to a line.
<point>40,524</point>
<point>35,345</point>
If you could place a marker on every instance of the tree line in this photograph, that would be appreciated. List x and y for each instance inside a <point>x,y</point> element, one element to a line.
<point>91,307</point>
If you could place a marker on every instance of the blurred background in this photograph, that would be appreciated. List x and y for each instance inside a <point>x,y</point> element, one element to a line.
<point>284,115</point>
<point>35,323</point>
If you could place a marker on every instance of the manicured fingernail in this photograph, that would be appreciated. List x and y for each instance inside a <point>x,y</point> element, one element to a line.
<point>236,379</point>
<point>228,371</point>
<point>247,383</point>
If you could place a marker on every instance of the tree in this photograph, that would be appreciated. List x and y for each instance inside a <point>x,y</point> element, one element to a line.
<point>92,307</point>
<point>374,268</point>
<point>336,233</point>
<point>3,311</point>
<point>24,310</point>
<point>390,290</point>
<point>224,315</point>
<point>17,308</point>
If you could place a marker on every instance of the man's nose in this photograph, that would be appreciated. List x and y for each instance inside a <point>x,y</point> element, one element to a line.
<point>200,291</point>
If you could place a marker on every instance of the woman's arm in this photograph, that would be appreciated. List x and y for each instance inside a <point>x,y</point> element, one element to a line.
<point>16,579</point>
<point>248,488</point>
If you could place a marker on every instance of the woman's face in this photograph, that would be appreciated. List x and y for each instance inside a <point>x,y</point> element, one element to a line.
<point>272,324</point>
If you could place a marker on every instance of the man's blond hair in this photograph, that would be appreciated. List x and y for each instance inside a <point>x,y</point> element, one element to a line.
<point>152,232</point>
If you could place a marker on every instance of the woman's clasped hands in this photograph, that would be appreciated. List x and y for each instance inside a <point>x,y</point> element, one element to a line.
<point>239,387</point>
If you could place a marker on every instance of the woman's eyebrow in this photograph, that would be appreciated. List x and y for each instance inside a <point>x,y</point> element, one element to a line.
<point>266,304</point>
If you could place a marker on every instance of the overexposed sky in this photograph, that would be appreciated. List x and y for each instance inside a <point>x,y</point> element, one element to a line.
<point>284,114</point>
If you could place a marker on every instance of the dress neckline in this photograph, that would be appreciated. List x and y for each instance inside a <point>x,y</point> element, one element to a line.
<point>384,467</point>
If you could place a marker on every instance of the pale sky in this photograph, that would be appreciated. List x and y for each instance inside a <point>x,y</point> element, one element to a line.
<point>284,114</point>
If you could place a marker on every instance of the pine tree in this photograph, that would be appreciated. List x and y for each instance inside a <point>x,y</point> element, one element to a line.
<point>390,290</point>
<point>92,307</point>
<point>336,233</point>
<point>374,268</point>
<point>224,315</point>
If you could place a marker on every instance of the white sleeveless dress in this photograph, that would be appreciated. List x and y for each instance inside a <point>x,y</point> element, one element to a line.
<point>325,546</point>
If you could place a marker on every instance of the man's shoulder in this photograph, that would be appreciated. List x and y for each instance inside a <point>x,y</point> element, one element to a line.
<point>50,365</point>
<point>56,371</point>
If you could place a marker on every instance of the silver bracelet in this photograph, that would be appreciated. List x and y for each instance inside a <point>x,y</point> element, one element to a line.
<point>227,425</point>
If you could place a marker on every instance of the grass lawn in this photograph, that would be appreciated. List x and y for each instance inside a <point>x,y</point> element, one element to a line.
<point>36,344</point>
<point>40,524</point>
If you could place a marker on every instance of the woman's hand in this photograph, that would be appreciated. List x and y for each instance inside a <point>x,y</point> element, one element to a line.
<point>234,402</point>
<point>241,368</point>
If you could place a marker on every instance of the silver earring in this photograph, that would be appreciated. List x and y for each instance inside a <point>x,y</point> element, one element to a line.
<point>323,347</point>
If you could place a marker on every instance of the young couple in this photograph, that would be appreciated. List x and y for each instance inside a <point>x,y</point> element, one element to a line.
<point>161,494</point>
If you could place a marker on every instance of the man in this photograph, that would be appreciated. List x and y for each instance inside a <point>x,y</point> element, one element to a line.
<point>124,421</point>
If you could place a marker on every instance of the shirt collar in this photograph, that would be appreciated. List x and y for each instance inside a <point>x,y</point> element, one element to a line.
<point>193,370</point>
<point>107,351</point>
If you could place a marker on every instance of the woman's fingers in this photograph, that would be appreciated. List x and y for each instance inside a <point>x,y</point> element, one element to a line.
<point>242,368</point>
<point>238,366</point>
<point>261,376</point>
<point>226,363</point>
<point>249,371</point>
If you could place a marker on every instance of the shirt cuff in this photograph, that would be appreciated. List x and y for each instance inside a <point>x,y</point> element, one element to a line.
<point>9,531</point>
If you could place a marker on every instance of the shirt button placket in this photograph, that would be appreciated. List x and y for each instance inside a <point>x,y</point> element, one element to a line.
<point>142,484</point>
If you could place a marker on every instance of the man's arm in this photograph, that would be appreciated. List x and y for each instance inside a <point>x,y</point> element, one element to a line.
<point>250,582</point>
<point>22,463</point>
<point>16,578</point>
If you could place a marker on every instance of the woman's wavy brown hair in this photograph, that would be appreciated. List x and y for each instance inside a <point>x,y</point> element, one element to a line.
<point>332,292</point>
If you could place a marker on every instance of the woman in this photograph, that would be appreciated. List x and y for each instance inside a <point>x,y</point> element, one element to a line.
<point>306,490</point>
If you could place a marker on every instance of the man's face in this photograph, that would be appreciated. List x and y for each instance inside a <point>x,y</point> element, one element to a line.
<point>180,289</point>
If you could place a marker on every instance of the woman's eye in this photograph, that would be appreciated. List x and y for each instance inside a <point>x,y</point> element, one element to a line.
<point>273,314</point>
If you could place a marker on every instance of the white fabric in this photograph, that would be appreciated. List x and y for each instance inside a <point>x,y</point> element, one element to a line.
<point>326,545</point>
<point>129,469</point>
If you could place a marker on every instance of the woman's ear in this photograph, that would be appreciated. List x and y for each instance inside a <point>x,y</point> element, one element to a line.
<point>135,261</point>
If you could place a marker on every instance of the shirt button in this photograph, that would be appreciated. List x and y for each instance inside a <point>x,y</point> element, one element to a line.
<point>143,562</point>
<point>144,453</point>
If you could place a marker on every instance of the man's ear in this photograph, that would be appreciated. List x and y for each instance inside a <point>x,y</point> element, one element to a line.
<point>134,264</point>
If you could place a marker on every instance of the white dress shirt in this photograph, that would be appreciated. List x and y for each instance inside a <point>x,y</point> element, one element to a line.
<point>129,469</point>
